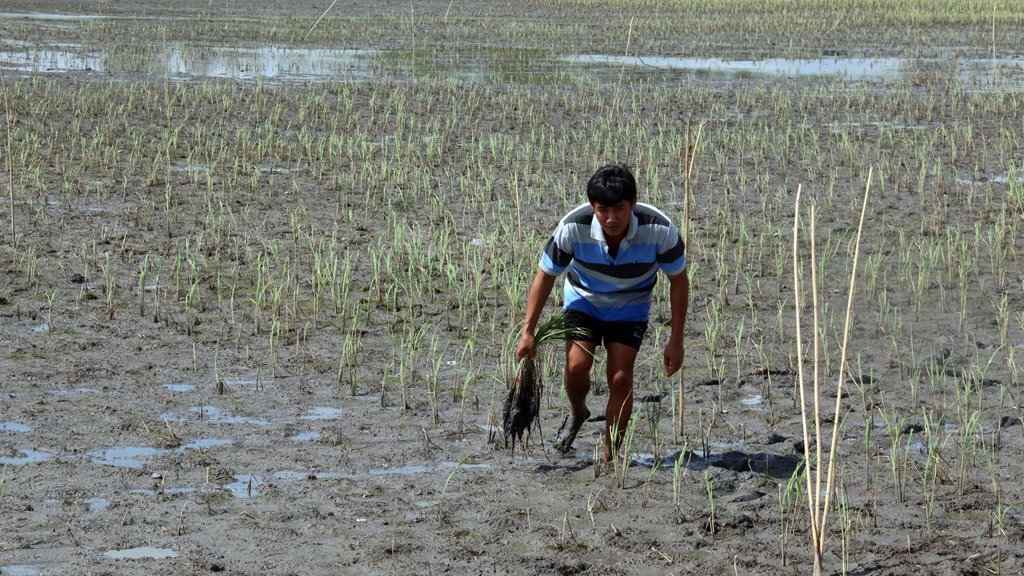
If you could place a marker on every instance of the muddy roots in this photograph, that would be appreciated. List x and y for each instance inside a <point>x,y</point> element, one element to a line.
<point>522,405</point>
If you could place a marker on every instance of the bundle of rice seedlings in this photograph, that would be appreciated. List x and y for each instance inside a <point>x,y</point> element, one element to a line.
<point>522,405</point>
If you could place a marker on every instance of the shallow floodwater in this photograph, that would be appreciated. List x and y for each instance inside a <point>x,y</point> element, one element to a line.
<point>279,63</point>
<point>141,553</point>
<point>30,457</point>
<point>21,570</point>
<point>182,61</point>
<point>127,457</point>
<point>848,68</point>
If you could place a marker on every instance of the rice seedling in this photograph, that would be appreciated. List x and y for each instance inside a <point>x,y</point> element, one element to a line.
<point>680,464</point>
<point>522,404</point>
<point>622,455</point>
<point>710,524</point>
<point>6,481</point>
<point>442,513</point>
<point>933,464</point>
<point>899,453</point>
<point>967,433</point>
<point>789,501</point>
<point>1002,510</point>
<point>434,385</point>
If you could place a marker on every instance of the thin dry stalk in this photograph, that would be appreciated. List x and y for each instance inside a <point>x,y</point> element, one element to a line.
<point>819,510</point>
<point>800,373</point>
<point>622,71</point>
<point>319,19</point>
<point>842,360</point>
<point>688,160</point>
<point>10,152</point>
<point>817,388</point>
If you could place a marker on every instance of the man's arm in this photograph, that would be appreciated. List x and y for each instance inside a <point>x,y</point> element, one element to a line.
<point>679,300</point>
<point>539,292</point>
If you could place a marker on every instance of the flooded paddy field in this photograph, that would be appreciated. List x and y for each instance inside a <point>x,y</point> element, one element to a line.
<point>262,275</point>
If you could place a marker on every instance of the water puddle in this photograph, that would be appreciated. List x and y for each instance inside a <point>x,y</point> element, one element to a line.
<point>44,327</point>
<point>206,443</point>
<point>179,387</point>
<point>21,570</point>
<point>199,168</point>
<point>182,61</point>
<point>1003,178</point>
<point>411,469</point>
<point>162,491</point>
<point>290,475</point>
<point>463,465</point>
<point>132,456</point>
<point>305,437</point>
<point>75,391</point>
<point>14,427</point>
<point>127,457</point>
<point>848,68</point>
<point>649,461</point>
<point>245,485</point>
<point>293,475</point>
<point>244,383</point>
<point>323,413</point>
<point>51,59</point>
<point>725,446</point>
<point>753,401</point>
<point>170,417</point>
<point>43,16</point>
<point>841,127</point>
<point>214,414</point>
<point>96,504</point>
<point>977,73</point>
<point>141,553</point>
<point>31,457</point>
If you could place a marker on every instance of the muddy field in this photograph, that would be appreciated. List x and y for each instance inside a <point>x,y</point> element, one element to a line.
<point>262,275</point>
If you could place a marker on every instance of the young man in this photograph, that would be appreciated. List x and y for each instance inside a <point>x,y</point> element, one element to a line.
<point>612,248</point>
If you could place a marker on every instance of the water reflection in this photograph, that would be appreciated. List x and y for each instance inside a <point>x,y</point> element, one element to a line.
<point>43,16</point>
<point>181,61</point>
<point>849,68</point>
<point>141,553</point>
<point>30,457</point>
<point>269,62</point>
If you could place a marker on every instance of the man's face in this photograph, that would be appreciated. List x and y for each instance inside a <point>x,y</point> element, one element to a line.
<point>614,220</point>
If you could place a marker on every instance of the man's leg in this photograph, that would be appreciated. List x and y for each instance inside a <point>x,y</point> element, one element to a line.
<point>621,358</point>
<point>579,358</point>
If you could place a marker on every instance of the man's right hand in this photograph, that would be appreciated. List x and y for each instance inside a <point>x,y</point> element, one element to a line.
<point>527,347</point>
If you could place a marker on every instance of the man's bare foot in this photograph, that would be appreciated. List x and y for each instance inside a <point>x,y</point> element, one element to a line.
<point>570,428</point>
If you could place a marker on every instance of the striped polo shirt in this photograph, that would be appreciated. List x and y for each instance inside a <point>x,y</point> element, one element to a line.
<point>619,288</point>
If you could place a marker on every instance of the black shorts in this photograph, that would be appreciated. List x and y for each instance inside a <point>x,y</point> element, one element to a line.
<point>601,332</point>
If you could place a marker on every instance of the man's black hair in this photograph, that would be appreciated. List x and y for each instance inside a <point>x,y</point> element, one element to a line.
<point>611,184</point>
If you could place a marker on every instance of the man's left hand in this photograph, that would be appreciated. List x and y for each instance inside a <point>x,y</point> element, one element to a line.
<point>674,355</point>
